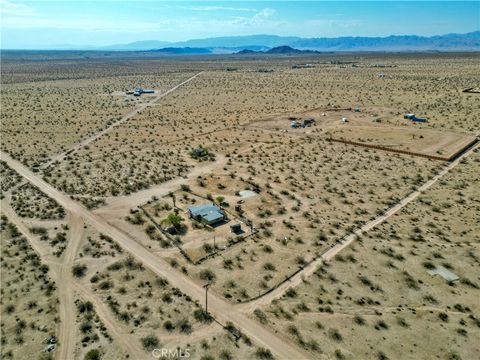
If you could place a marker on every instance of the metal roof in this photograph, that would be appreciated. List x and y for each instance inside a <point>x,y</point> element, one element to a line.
<point>209,212</point>
<point>443,272</point>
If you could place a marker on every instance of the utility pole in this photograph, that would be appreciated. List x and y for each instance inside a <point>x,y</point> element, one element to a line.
<point>206,296</point>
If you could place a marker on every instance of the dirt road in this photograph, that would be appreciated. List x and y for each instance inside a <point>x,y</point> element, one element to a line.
<point>126,202</point>
<point>40,248</point>
<point>221,310</point>
<point>117,330</point>
<point>67,309</point>
<point>349,239</point>
<point>121,205</point>
<point>61,273</point>
<point>126,117</point>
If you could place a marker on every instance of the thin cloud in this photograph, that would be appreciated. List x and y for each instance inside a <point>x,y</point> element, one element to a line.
<point>20,16</point>
<point>329,23</point>
<point>127,26</point>
<point>218,8</point>
<point>14,9</point>
<point>263,16</point>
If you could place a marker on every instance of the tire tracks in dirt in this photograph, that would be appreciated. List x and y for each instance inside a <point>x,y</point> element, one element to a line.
<point>223,311</point>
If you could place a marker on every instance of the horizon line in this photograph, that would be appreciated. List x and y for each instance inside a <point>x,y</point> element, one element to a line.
<point>71,47</point>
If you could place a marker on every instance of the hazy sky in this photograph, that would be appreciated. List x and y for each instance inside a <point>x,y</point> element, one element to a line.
<point>46,24</point>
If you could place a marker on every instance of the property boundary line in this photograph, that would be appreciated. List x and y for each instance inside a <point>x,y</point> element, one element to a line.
<point>406,152</point>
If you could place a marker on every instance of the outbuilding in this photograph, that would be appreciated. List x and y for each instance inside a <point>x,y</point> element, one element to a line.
<point>236,228</point>
<point>443,272</point>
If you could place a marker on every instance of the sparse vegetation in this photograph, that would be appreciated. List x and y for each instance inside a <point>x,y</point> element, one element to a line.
<point>292,194</point>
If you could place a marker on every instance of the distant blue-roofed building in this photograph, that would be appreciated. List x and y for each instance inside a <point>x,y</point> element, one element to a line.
<point>209,213</point>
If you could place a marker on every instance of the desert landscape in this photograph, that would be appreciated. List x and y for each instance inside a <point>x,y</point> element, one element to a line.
<point>244,208</point>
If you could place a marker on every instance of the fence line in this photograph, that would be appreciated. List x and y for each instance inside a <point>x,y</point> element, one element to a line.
<point>385,148</point>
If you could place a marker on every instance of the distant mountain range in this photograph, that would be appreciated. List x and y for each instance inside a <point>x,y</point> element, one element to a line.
<point>263,43</point>
<point>279,50</point>
<point>181,51</point>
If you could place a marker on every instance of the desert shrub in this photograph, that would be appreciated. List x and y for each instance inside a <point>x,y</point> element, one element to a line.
<point>85,327</point>
<point>79,270</point>
<point>185,326</point>
<point>150,342</point>
<point>267,249</point>
<point>260,315</point>
<point>168,325</point>
<point>381,325</point>
<point>105,285</point>
<point>115,266</point>
<point>402,322</point>
<point>335,335</point>
<point>469,282</point>
<point>411,282</point>
<point>428,265</point>
<point>269,266</point>
<point>381,356</point>
<point>443,316</point>
<point>454,356</point>
<point>339,355</point>
<point>225,355</point>
<point>86,306</point>
<point>185,187</point>
<point>359,320</point>
<point>291,292</point>
<point>263,353</point>
<point>292,329</point>
<point>202,316</point>
<point>93,354</point>
<point>207,357</point>
<point>207,274</point>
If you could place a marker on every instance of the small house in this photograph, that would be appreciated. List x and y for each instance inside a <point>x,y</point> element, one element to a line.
<point>199,152</point>
<point>208,213</point>
<point>139,91</point>
<point>295,124</point>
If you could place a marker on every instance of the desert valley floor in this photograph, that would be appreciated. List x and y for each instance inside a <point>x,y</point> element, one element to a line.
<point>321,221</point>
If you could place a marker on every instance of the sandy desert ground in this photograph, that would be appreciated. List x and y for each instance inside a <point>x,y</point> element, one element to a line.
<point>336,239</point>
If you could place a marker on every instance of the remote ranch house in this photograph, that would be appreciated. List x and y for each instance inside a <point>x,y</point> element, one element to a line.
<point>209,213</point>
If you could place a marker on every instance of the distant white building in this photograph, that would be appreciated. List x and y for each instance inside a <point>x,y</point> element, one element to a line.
<point>139,91</point>
<point>444,272</point>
